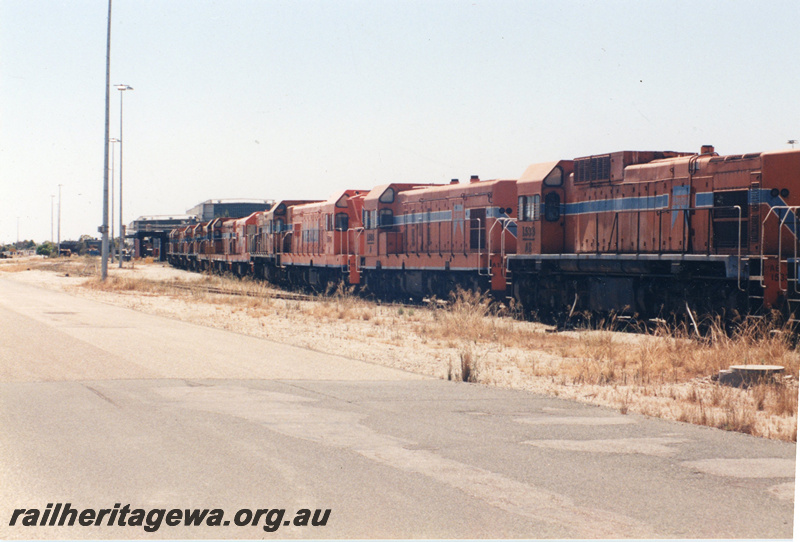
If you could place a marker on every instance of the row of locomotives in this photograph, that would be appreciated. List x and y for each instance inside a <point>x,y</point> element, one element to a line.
<point>181,247</point>
<point>272,239</point>
<point>659,234</point>
<point>242,232</point>
<point>216,245</point>
<point>313,245</point>
<point>423,240</point>
<point>175,248</point>
<point>220,245</point>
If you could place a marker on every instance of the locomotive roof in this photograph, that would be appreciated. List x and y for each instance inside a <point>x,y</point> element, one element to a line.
<point>249,219</point>
<point>455,187</point>
<point>537,172</point>
<point>282,208</point>
<point>378,191</point>
<point>335,197</point>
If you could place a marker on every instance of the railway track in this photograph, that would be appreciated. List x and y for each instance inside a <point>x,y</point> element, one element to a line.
<point>273,294</point>
<point>283,294</point>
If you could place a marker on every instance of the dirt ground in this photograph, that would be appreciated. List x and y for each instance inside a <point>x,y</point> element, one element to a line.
<point>618,370</point>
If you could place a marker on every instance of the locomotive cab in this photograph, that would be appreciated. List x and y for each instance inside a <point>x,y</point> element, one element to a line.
<point>540,223</point>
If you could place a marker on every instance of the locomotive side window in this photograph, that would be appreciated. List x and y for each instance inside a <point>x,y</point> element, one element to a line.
<point>533,209</point>
<point>341,222</point>
<point>386,218</point>
<point>730,199</point>
<point>727,228</point>
<point>523,208</point>
<point>529,207</point>
<point>477,219</point>
<point>552,207</point>
<point>555,177</point>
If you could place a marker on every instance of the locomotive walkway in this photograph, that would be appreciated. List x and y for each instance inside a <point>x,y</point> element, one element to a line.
<point>101,405</point>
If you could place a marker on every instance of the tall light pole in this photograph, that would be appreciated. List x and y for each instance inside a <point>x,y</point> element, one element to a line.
<point>113,140</point>
<point>104,227</point>
<point>121,89</point>
<point>792,142</point>
<point>52,197</point>
<point>59,221</point>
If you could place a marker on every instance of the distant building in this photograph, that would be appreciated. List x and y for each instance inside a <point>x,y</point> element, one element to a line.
<point>151,233</point>
<point>229,208</point>
<point>156,223</point>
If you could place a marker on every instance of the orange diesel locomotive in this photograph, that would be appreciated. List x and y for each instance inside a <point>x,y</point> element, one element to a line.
<point>661,233</point>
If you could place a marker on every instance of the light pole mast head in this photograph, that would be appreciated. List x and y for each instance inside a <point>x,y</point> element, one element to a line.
<point>123,87</point>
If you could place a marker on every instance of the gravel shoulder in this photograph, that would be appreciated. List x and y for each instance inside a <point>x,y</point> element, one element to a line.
<point>502,352</point>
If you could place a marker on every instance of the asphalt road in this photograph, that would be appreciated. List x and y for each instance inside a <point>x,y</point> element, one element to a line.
<point>103,406</point>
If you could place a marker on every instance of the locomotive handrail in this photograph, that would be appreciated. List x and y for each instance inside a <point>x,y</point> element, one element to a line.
<point>489,248</point>
<point>480,229</point>
<point>739,250</point>
<point>357,232</point>
<point>788,209</point>
<point>282,238</point>
<point>780,251</point>
<point>711,233</point>
<point>504,221</point>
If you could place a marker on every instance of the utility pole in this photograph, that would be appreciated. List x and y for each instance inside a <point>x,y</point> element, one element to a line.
<point>104,227</point>
<point>59,221</point>
<point>121,89</point>
<point>112,250</point>
<point>52,196</point>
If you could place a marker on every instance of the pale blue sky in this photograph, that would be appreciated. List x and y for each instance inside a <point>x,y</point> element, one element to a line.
<point>277,99</point>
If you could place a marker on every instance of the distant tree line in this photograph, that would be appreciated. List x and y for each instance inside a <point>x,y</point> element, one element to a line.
<point>85,245</point>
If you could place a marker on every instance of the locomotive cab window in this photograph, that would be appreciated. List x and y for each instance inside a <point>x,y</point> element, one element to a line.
<point>365,219</point>
<point>341,222</point>
<point>555,177</point>
<point>386,218</point>
<point>477,220</point>
<point>552,207</point>
<point>387,196</point>
<point>528,208</point>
